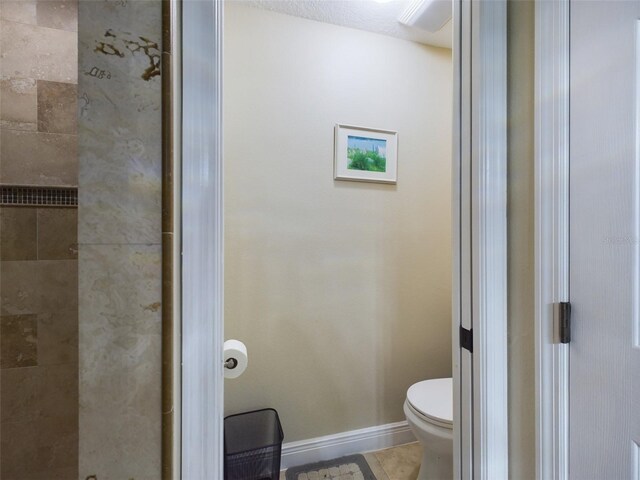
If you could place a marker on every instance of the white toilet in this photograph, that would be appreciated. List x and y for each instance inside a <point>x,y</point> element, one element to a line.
<point>429,412</point>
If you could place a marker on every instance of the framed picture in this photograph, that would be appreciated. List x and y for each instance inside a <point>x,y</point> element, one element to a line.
<point>365,154</point>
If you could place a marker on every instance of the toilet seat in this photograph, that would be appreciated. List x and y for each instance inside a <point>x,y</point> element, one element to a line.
<point>432,400</point>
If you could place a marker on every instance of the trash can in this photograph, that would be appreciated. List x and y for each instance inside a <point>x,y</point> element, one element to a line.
<point>253,445</point>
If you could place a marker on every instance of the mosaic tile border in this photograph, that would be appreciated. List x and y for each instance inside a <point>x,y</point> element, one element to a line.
<point>30,196</point>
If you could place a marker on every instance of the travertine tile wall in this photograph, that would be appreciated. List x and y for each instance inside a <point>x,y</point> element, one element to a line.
<point>38,253</point>
<point>119,130</point>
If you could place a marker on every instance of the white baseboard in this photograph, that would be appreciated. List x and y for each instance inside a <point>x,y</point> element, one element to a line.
<point>346,443</point>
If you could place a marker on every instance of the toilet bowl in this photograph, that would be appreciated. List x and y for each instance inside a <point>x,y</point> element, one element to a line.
<point>429,412</point>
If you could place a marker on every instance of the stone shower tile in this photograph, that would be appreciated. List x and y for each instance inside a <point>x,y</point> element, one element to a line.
<point>29,51</point>
<point>120,355</point>
<point>42,449</point>
<point>38,286</point>
<point>33,393</point>
<point>18,288</point>
<point>60,14</point>
<point>18,103</point>
<point>65,473</point>
<point>18,341</point>
<point>22,11</point>
<point>58,285</point>
<point>18,233</point>
<point>119,104</point>
<point>57,107</point>
<point>57,233</point>
<point>35,158</point>
<point>120,143</point>
<point>58,337</point>
<point>120,188</point>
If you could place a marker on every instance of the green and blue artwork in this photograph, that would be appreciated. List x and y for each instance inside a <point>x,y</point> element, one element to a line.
<point>369,154</point>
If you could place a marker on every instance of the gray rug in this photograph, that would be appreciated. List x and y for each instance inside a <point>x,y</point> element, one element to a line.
<point>353,467</point>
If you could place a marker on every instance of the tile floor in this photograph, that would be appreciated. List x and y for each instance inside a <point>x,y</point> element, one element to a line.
<point>397,463</point>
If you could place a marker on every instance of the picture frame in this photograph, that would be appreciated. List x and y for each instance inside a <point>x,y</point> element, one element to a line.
<point>365,154</point>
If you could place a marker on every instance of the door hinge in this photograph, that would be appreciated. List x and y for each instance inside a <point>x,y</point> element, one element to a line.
<point>466,338</point>
<point>562,320</point>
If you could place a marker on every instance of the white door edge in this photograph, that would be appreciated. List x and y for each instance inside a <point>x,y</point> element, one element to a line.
<point>551,235</point>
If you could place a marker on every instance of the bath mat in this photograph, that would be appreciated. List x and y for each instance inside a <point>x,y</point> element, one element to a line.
<point>352,467</point>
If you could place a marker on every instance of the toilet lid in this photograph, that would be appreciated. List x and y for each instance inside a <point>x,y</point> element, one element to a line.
<point>433,399</point>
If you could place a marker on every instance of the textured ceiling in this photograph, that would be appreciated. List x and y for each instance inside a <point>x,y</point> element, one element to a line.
<point>362,14</point>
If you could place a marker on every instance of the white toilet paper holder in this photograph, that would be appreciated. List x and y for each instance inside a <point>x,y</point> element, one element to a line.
<point>235,358</point>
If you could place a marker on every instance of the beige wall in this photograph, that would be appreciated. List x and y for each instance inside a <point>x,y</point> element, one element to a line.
<point>521,241</point>
<point>340,290</point>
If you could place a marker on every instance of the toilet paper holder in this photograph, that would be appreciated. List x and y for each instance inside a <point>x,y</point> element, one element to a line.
<point>235,358</point>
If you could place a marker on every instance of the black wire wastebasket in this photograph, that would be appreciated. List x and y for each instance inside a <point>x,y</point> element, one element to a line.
<point>253,445</point>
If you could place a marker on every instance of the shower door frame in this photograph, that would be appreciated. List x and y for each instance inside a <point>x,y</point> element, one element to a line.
<point>479,247</point>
